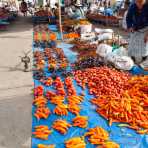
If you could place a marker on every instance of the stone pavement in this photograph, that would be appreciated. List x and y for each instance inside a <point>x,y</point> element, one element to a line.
<point>15,86</point>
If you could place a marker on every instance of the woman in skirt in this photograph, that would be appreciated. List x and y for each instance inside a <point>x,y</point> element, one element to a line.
<point>137,25</point>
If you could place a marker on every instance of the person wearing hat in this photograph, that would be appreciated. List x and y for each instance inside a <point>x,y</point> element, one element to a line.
<point>79,13</point>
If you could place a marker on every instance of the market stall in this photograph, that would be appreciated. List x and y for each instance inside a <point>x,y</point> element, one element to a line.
<point>8,13</point>
<point>87,91</point>
<point>80,100</point>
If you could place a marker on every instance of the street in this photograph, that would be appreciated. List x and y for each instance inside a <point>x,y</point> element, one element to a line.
<point>15,85</point>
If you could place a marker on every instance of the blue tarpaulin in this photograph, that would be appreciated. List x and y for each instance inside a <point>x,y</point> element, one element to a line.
<point>126,138</point>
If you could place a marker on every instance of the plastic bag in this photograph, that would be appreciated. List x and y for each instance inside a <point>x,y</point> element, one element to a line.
<point>123,63</point>
<point>103,50</point>
<point>100,31</point>
<point>121,51</point>
<point>105,36</point>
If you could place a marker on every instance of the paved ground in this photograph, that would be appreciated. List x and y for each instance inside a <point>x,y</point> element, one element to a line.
<point>15,86</point>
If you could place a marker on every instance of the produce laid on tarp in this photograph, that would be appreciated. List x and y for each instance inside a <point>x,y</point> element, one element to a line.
<point>82,101</point>
<point>6,16</point>
<point>41,16</point>
<point>109,20</point>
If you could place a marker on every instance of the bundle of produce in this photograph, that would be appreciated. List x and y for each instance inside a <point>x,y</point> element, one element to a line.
<point>41,27</point>
<point>75,142</point>
<point>45,146</point>
<point>59,86</point>
<point>130,107</point>
<point>48,81</point>
<point>110,20</point>
<point>42,132</point>
<point>74,108</point>
<point>99,136</point>
<point>39,91</point>
<point>88,62</point>
<point>40,101</point>
<point>4,13</point>
<point>71,35</point>
<point>55,99</point>
<point>86,54</point>
<point>39,75</point>
<point>80,121</point>
<point>61,110</point>
<point>38,54</point>
<point>39,61</point>
<point>81,45</point>
<point>70,87</point>
<point>103,80</point>
<point>42,113</point>
<point>61,126</point>
<point>75,22</point>
<point>59,52</point>
<point>52,64</point>
<point>68,25</point>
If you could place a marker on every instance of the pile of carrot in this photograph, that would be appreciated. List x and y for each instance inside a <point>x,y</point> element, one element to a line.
<point>71,35</point>
<point>75,142</point>
<point>61,126</point>
<point>56,99</point>
<point>50,94</point>
<point>48,81</point>
<point>45,146</point>
<point>61,110</point>
<point>102,80</point>
<point>42,132</point>
<point>99,136</point>
<point>70,87</point>
<point>74,108</point>
<point>80,121</point>
<point>109,144</point>
<point>39,91</point>
<point>40,101</point>
<point>59,85</point>
<point>42,112</point>
<point>75,99</point>
<point>131,107</point>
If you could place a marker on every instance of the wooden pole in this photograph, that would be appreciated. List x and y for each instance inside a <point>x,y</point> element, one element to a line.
<point>60,20</point>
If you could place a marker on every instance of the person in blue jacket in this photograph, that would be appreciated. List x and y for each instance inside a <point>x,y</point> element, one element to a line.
<point>137,25</point>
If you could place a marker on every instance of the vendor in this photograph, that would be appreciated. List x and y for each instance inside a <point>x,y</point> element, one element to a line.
<point>75,11</point>
<point>126,6</point>
<point>56,13</point>
<point>79,13</point>
<point>93,7</point>
<point>24,8</point>
<point>137,25</point>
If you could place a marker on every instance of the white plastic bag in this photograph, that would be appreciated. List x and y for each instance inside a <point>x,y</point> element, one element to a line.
<point>103,50</point>
<point>86,28</point>
<point>124,63</point>
<point>111,57</point>
<point>100,31</point>
<point>105,36</point>
<point>121,51</point>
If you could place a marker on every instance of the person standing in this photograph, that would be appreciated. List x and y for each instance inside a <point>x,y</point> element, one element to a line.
<point>124,23</point>
<point>24,8</point>
<point>137,25</point>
